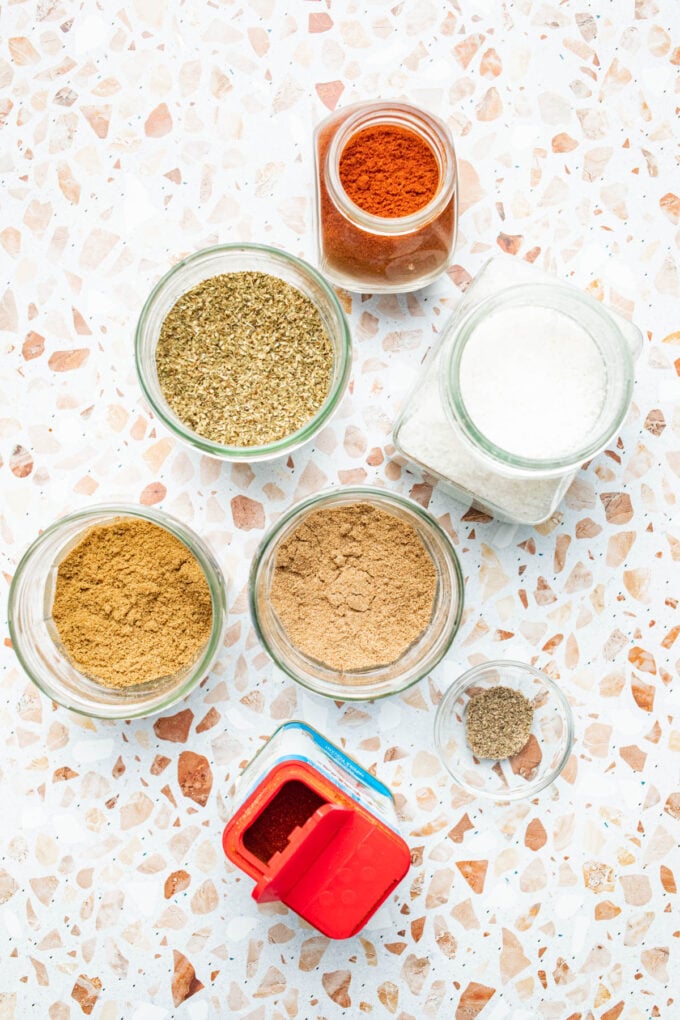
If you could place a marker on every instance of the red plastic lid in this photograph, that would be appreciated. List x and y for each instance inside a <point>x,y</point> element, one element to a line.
<point>309,844</point>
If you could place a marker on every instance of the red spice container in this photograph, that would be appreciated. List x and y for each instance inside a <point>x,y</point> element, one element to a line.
<point>386,203</point>
<point>316,831</point>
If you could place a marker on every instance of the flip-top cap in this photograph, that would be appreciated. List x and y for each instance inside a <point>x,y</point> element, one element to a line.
<point>312,846</point>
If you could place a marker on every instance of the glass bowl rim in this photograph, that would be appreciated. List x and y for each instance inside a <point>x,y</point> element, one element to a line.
<point>354,493</point>
<point>214,578</point>
<point>461,683</point>
<point>279,447</point>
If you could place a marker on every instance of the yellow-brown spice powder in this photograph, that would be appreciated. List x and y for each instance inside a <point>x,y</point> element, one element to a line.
<point>353,587</point>
<point>132,604</point>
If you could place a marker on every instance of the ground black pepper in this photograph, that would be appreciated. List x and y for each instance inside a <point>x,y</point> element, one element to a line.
<point>498,723</point>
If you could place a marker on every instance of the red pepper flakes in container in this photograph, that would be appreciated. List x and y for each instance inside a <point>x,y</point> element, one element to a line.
<point>316,831</point>
<point>386,204</point>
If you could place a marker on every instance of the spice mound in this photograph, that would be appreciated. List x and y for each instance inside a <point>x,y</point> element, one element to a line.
<point>498,723</point>
<point>244,359</point>
<point>132,604</point>
<point>353,587</point>
<point>389,171</point>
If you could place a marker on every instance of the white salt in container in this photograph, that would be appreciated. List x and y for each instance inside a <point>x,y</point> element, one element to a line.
<point>530,379</point>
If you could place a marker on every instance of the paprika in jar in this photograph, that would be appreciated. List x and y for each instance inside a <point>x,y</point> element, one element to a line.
<point>386,202</point>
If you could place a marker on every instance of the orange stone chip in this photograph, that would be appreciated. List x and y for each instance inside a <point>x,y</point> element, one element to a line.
<point>606,910</point>
<point>336,984</point>
<point>643,694</point>
<point>184,980</point>
<point>535,837</point>
<point>617,507</point>
<point>247,513</point>
<point>668,879</point>
<point>527,761</point>
<point>176,882</point>
<point>194,776</point>
<point>33,345</point>
<point>634,757</point>
<point>598,877</point>
<point>86,992</point>
<point>460,828</point>
<point>473,1000</point>
<point>474,873</point>
<point>672,805</point>
<point>174,727</point>
<point>154,493</point>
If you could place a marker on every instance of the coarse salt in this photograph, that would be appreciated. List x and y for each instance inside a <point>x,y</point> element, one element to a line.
<point>533,382</point>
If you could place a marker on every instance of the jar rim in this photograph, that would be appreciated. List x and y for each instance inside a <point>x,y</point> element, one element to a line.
<point>279,447</point>
<point>428,127</point>
<point>559,297</point>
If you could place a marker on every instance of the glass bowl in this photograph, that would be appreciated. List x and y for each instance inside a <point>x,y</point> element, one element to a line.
<point>35,639</point>
<point>541,760</point>
<point>418,660</point>
<point>235,258</point>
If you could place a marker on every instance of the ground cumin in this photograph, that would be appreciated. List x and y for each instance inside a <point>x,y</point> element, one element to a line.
<point>353,587</point>
<point>132,604</point>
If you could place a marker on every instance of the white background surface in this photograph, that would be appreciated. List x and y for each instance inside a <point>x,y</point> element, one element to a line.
<point>133,135</point>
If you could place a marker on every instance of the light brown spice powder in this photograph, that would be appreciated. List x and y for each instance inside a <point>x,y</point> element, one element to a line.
<point>132,604</point>
<point>244,359</point>
<point>353,587</point>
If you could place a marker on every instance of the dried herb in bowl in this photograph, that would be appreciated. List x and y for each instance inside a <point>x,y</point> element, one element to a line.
<point>244,359</point>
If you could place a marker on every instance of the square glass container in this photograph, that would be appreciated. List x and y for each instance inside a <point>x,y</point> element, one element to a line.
<point>435,430</point>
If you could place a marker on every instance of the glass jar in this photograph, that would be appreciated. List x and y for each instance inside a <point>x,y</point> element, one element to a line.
<point>316,831</point>
<point>418,660</point>
<point>435,428</point>
<point>377,254</point>
<point>238,258</point>
<point>35,638</point>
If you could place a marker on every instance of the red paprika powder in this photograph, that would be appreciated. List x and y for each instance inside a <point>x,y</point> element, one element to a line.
<point>386,197</point>
<point>388,171</point>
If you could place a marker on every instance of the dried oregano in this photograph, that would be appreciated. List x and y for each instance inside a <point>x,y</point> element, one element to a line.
<point>498,723</point>
<point>244,359</point>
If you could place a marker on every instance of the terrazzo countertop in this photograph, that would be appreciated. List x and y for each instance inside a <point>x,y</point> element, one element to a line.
<point>133,135</point>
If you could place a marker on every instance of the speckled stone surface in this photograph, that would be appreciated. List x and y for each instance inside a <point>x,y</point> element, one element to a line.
<point>133,135</point>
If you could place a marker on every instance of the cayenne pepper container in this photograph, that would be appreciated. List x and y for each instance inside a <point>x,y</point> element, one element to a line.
<point>316,831</point>
<point>386,253</point>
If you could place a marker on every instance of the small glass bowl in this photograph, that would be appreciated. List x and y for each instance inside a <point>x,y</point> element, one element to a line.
<point>237,258</point>
<point>552,732</point>
<point>418,660</point>
<point>35,638</point>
